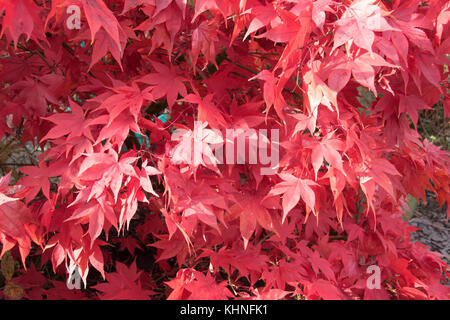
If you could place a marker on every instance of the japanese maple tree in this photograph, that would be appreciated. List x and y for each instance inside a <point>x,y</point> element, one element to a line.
<point>100,87</point>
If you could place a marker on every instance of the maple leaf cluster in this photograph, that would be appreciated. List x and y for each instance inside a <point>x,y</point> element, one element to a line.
<point>108,201</point>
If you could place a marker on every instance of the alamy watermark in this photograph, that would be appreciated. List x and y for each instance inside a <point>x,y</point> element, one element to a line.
<point>374,280</point>
<point>203,146</point>
<point>73,22</point>
<point>73,279</point>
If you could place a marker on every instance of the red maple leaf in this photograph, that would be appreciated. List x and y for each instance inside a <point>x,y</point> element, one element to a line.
<point>294,189</point>
<point>165,83</point>
<point>124,284</point>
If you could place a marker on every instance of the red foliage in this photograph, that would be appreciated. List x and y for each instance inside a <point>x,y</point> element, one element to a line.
<point>93,99</point>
